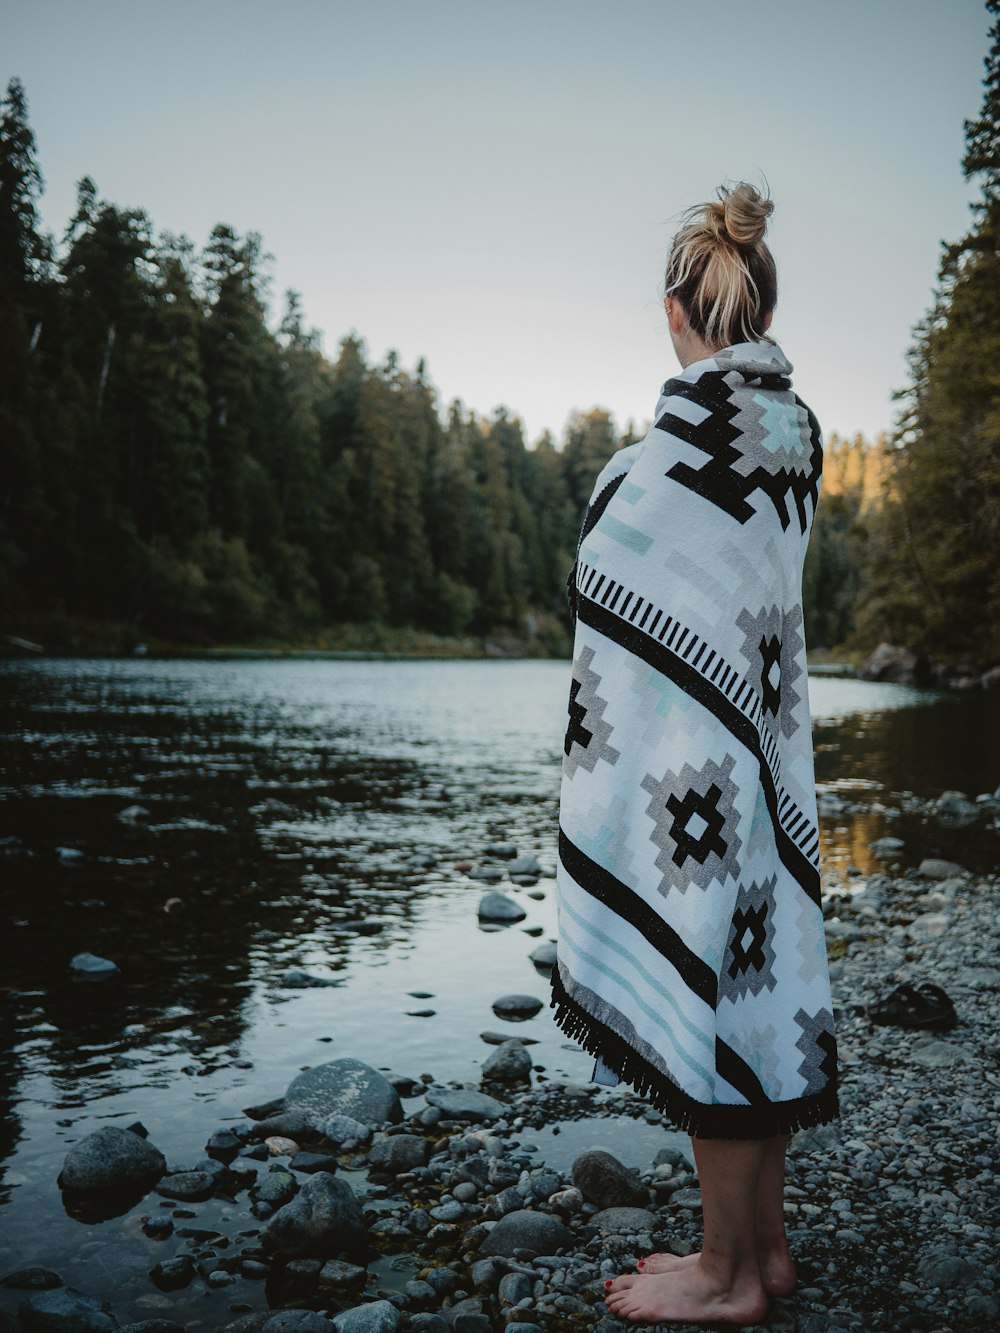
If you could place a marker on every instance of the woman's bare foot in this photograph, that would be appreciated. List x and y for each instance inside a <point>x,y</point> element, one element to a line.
<point>777,1270</point>
<point>689,1294</point>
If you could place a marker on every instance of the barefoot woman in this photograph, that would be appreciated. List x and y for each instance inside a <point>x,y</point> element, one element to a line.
<point>691,958</point>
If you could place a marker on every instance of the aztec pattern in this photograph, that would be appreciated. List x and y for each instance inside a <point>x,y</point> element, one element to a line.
<point>691,957</point>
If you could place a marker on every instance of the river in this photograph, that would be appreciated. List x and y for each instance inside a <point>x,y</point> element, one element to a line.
<point>310,813</point>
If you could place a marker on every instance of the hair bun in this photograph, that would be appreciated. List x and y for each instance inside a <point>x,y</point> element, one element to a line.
<point>742,215</point>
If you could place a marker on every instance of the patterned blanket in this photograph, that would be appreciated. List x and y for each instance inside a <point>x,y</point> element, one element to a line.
<point>691,952</point>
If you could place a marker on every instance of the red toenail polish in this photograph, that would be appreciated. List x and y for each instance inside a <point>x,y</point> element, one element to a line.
<point>608,1283</point>
<point>641,1262</point>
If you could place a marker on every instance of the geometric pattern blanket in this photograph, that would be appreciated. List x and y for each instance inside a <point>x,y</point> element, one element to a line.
<point>691,955</point>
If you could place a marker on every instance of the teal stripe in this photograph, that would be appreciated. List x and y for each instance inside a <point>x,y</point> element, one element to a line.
<point>688,1059</point>
<point>629,491</point>
<point>631,959</point>
<point>621,532</point>
<point>657,1018</point>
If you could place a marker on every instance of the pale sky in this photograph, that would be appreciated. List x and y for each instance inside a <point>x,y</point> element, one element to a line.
<point>494,185</point>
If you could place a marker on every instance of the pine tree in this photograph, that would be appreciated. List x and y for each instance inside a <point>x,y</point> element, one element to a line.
<point>933,569</point>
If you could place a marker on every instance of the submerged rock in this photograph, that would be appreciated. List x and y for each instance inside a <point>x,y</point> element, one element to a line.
<point>90,965</point>
<point>66,1308</point>
<point>32,1279</point>
<point>296,978</point>
<point>345,1087</point>
<point>111,1159</point>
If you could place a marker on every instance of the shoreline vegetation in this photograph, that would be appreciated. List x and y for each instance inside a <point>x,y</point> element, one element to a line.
<point>389,643</point>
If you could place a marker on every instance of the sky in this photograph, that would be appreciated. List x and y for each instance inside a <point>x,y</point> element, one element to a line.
<point>493,185</point>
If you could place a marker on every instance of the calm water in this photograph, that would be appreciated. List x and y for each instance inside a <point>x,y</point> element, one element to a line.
<point>287,800</point>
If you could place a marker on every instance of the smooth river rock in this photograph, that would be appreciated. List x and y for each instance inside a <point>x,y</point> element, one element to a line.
<point>324,1217</point>
<point>344,1087</point>
<point>541,1233</point>
<point>111,1158</point>
<point>509,1063</point>
<point>602,1179</point>
<point>466,1104</point>
<point>497,906</point>
<point>516,1006</point>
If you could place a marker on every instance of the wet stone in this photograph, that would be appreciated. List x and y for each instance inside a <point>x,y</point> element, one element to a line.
<point>172,1274</point>
<point>346,1087</point>
<point>32,1279</point>
<point>189,1186</point>
<point>111,1158</point>
<point>65,1308</point>
<point>516,1006</point>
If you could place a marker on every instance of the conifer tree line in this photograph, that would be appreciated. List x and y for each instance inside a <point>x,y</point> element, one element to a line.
<point>930,578</point>
<point>173,465</point>
<point>176,468</point>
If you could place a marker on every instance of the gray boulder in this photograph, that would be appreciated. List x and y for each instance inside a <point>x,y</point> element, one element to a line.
<point>509,1063</point>
<point>345,1087</point>
<point>65,1308</point>
<point>497,906</point>
<point>541,1233</point>
<point>323,1217</point>
<point>399,1152</point>
<point>111,1158</point>
<point>465,1104</point>
<point>891,662</point>
<point>375,1317</point>
<point>604,1180</point>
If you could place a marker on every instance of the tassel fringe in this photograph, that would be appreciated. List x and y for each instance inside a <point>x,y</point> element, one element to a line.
<point>705,1120</point>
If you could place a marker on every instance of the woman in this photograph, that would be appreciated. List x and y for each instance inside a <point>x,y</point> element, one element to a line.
<point>691,958</point>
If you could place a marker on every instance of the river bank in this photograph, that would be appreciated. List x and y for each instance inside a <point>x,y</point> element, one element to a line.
<point>361,1202</point>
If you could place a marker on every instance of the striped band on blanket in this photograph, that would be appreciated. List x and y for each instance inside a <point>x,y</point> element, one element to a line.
<point>691,954</point>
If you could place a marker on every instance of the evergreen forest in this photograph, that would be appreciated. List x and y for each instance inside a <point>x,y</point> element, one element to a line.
<point>181,466</point>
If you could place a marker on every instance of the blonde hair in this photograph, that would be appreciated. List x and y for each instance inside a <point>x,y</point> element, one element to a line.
<point>720,269</point>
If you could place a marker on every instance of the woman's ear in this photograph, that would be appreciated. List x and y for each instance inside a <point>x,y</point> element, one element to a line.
<point>676,317</point>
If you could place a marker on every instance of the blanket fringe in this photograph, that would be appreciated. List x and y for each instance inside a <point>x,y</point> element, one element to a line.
<point>716,1120</point>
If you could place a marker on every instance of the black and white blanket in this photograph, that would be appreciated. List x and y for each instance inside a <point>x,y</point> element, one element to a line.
<point>691,952</point>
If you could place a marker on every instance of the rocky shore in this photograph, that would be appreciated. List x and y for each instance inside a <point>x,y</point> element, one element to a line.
<point>294,1215</point>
